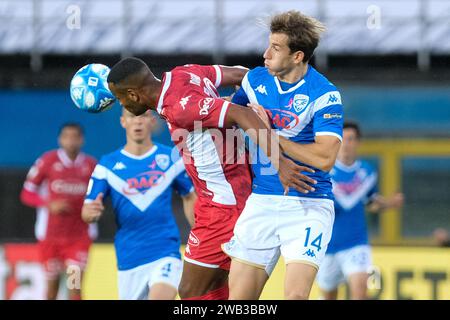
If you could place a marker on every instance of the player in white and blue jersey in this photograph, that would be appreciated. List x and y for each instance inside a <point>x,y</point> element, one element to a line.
<point>348,257</point>
<point>305,109</point>
<point>140,178</point>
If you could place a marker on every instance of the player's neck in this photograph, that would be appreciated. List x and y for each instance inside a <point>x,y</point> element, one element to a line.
<point>138,149</point>
<point>152,92</point>
<point>346,160</point>
<point>295,74</point>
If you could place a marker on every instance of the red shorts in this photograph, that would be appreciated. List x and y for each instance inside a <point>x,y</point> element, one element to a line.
<point>213,226</point>
<point>57,255</point>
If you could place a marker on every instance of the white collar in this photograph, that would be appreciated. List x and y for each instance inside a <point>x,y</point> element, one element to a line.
<point>142,156</point>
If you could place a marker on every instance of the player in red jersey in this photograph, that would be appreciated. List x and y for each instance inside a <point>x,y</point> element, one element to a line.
<point>204,127</point>
<point>56,185</point>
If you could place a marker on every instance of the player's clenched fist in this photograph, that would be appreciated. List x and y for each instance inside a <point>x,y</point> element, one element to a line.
<point>92,211</point>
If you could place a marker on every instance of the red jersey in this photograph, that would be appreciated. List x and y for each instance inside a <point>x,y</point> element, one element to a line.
<point>215,157</point>
<point>55,176</point>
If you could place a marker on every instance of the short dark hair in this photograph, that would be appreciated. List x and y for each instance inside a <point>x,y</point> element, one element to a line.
<point>125,68</point>
<point>353,125</point>
<point>303,31</point>
<point>73,125</point>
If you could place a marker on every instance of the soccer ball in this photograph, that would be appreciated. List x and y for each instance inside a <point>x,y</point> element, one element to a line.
<point>89,88</point>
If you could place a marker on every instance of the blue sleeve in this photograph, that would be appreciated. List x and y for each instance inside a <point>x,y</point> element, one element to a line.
<point>98,183</point>
<point>183,184</point>
<point>240,97</point>
<point>374,190</point>
<point>329,121</point>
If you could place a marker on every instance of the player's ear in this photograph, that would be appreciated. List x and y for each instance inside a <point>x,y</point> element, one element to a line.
<point>299,56</point>
<point>132,95</point>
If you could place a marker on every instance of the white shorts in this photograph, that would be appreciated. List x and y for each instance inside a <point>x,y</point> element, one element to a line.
<point>337,267</point>
<point>135,284</point>
<point>298,228</point>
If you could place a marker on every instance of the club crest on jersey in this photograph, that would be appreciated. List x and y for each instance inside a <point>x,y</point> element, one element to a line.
<point>283,119</point>
<point>204,105</point>
<point>300,102</point>
<point>142,182</point>
<point>162,160</point>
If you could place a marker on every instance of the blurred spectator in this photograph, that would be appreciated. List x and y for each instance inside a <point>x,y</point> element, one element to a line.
<point>441,237</point>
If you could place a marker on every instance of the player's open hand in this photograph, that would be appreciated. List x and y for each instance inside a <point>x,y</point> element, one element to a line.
<point>92,211</point>
<point>59,206</point>
<point>261,112</point>
<point>291,177</point>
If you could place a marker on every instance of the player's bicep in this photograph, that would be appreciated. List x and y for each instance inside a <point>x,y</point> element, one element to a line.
<point>98,183</point>
<point>36,175</point>
<point>232,76</point>
<point>329,122</point>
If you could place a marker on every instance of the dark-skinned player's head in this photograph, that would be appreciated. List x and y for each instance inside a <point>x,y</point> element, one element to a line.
<point>128,80</point>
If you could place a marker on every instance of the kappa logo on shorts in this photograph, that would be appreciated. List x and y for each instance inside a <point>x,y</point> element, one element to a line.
<point>193,240</point>
<point>310,253</point>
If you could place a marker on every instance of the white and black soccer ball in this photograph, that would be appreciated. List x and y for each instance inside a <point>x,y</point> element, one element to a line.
<point>89,88</point>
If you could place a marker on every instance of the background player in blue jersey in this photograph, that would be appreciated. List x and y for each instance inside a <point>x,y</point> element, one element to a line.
<point>140,178</point>
<point>348,257</point>
<point>306,111</point>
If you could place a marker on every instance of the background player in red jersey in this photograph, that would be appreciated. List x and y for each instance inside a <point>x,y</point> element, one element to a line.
<point>56,185</point>
<point>204,127</point>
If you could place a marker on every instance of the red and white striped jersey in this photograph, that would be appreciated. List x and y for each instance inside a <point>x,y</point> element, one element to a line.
<point>215,157</point>
<point>54,176</point>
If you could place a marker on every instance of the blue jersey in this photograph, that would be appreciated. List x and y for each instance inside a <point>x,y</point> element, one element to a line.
<point>353,188</point>
<point>140,188</point>
<point>299,112</point>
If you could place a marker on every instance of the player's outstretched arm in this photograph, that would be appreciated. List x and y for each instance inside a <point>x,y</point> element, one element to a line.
<point>188,206</point>
<point>232,76</point>
<point>92,211</point>
<point>381,203</point>
<point>288,171</point>
<point>321,154</point>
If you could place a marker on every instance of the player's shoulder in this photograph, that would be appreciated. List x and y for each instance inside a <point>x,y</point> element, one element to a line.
<point>171,152</point>
<point>110,159</point>
<point>367,166</point>
<point>89,158</point>
<point>318,84</point>
<point>258,73</point>
<point>49,156</point>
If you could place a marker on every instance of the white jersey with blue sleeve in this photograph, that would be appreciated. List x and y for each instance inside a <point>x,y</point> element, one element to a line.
<point>299,112</point>
<point>353,187</point>
<point>140,188</point>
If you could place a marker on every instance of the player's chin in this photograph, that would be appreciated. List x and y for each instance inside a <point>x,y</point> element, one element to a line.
<point>137,110</point>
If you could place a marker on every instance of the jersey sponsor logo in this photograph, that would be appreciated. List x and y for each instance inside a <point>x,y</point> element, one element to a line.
<point>261,89</point>
<point>144,181</point>
<point>283,119</point>
<point>119,166</point>
<point>184,101</point>
<point>205,104</point>
<point>300,102</point>
<point>193,240</point>
<point>332,116</point>
<point>71,188</point>
<point>163,161</point>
